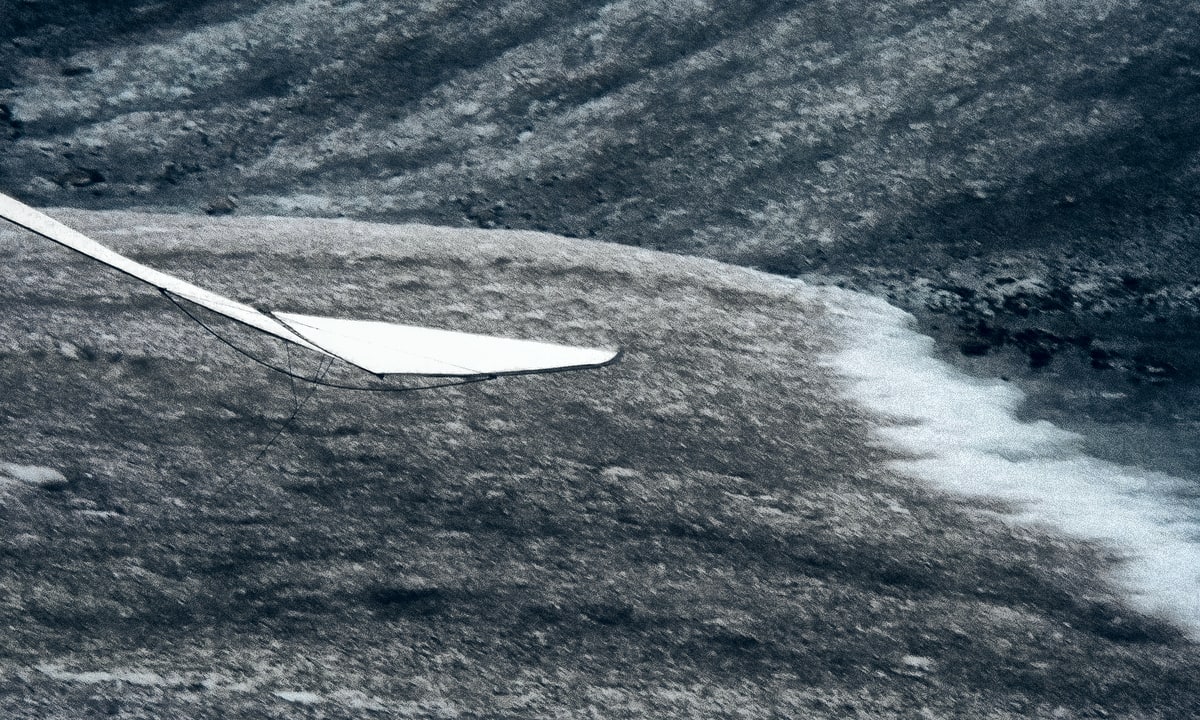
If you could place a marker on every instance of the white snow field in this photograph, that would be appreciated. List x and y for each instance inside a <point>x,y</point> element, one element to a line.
<point>961,433</point>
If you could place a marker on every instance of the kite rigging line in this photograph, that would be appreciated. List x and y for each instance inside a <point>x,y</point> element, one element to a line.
<point>323,368</point>
<point>315,380</point>
<point>379,348</point>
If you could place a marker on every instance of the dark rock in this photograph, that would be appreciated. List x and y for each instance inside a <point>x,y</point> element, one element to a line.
<point>7,120</point>
<point>403,599</point>
<point>1114,623</point>
<point>1132,282</point>
<point>735,640</point>
<point>1058,299</point>
<point>609,613</point>
<point>1040,356</point>
<point>1101,358</point>
<point>1036,336</point>
<point>80,177</point>
<point>172,173</point>
<point>994,334</point>
<point>1017,305</point>
<point>975,347</point>
<point>226,205</point>
<point>102,706</point>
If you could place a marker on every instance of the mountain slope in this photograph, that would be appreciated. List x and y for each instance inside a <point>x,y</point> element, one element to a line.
<point>766,132</point>
<point>930,151</point>
<point>702,529</point>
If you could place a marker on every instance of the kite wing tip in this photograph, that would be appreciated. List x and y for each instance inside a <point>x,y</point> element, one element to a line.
<point>614,356</point>
<point>391,349</point>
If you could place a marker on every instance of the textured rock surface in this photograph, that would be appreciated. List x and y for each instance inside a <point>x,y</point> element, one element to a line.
<point>786,135</point>
<point>701,530</point>
<point>929,151</point>
<point>1022,174</point>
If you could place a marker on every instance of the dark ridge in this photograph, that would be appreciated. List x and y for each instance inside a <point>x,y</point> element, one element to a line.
<point>80,23</point>
<point>399,599</point>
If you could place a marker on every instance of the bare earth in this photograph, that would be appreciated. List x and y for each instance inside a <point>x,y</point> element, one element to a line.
<point>1022,175</point>
<point>701,530</point>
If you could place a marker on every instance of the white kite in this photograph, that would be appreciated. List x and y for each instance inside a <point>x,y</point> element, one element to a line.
<point>380,348</point>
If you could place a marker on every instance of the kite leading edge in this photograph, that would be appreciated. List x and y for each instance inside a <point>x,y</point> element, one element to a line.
<point>380,348</point>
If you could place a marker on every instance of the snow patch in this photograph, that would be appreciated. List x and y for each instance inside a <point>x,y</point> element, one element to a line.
<point>31,475</point>
<point>961,434</point>
<point>133,677</point>
<point>301,697</point>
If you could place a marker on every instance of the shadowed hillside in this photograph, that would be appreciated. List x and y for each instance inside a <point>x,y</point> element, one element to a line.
<point>701,529</point>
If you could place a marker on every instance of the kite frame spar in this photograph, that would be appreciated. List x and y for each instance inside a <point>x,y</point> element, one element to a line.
<point>379,348</point>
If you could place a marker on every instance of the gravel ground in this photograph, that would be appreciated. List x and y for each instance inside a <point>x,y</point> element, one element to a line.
<point>1023,176</point>
<point>703,529</point>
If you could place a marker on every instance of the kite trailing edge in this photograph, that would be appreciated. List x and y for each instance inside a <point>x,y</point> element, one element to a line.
<point>381,348</point>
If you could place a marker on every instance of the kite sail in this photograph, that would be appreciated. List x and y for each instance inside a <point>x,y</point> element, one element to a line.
<point>380,348</point>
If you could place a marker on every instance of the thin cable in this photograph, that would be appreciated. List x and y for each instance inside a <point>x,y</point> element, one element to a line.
<point>287,348</point>
<point>317,381</point>
<point>326,363</point>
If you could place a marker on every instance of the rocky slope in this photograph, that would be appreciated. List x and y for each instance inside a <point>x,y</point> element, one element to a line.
<point>702,530</point>
<point>932,150</point>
